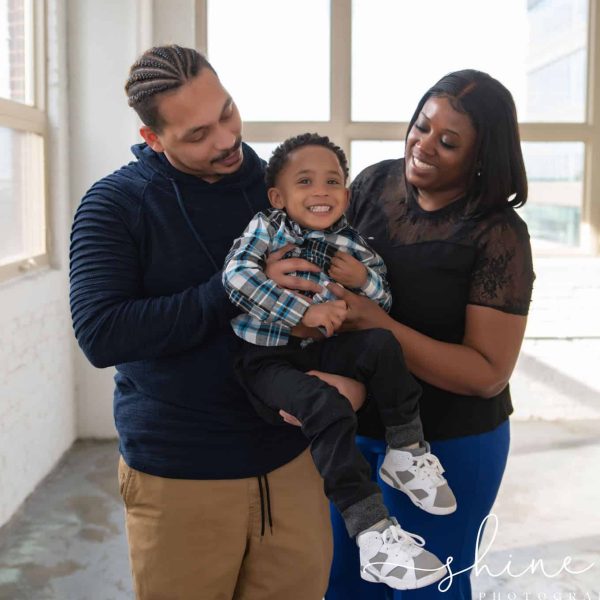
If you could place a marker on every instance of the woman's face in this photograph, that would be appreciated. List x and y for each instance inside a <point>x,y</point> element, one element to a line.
<point>440,150</point>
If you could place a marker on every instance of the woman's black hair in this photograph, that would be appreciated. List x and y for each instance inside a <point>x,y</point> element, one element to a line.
<point>281,153</point>
<point>498,173</point>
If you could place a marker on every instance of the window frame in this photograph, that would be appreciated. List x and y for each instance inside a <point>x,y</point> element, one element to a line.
<point>343,130</point>
<point>32,119</point>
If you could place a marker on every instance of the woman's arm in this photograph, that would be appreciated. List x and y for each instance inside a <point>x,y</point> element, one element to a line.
<point>480,366</point>
<point>354,391</point>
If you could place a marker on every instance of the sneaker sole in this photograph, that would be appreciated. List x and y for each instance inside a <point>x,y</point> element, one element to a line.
<point>421,583</point>
<point>434,510</point>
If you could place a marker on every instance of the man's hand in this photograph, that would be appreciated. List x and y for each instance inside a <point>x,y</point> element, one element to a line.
<point>348,271</point>
<point>278,269</point>
<point>329,315</point>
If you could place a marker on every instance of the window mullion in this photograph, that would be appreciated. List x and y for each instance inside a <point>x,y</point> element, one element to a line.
<point>39,54</point>
<point>590,226</point>
<point>274,131</point>
<point>340,74</point>
<point>201,26</point>
<point>556,132</point>
<point>22,117</point>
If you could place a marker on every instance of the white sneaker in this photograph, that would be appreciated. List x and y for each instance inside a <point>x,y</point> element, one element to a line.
<point>420,478</point>
<point>397,558</point>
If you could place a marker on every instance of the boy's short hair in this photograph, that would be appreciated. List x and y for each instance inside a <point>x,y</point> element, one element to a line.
<point>280,154</point>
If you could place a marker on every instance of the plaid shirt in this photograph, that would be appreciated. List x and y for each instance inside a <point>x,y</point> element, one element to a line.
<point>271,310</point>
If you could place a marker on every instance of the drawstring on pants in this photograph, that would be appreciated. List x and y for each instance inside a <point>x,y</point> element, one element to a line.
<point>264,496</point>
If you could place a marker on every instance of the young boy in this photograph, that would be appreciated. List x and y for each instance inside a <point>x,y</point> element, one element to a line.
<point>306,181</point>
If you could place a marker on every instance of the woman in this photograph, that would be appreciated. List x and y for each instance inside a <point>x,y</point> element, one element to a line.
<point>459,265</point>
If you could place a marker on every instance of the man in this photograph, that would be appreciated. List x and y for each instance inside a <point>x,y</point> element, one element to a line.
<point>219,504</point>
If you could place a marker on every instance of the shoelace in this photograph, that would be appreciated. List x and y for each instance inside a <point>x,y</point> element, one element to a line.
<point>395,533</point>
<point>430,468</point>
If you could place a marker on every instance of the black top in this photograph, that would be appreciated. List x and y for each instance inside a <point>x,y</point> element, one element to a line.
<point>439,262</point>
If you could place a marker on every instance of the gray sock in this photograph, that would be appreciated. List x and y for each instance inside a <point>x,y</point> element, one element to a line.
<point>422,449</point>
<point>380,526</point>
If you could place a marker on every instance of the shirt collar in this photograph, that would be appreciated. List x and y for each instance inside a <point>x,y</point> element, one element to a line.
<point>304,232</point>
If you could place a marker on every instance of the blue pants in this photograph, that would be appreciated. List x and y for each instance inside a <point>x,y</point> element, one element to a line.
<point>474,467</point>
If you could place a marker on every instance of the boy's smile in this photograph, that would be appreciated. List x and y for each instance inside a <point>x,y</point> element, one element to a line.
<point>311,188</point>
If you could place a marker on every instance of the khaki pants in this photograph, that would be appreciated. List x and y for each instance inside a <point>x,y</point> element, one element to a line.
<point>201,539</point>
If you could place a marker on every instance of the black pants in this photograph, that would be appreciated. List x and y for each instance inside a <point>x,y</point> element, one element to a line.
<point>275,378</point>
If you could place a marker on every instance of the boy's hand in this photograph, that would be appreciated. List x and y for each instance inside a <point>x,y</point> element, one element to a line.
<point>329,315</point>
<point>348,271</point>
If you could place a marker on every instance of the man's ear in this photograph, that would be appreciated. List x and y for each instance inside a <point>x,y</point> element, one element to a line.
<point>275,197</point>
<point>151,138</point>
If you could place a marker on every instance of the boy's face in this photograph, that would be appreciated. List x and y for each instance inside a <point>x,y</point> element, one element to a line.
<point>310,188</point>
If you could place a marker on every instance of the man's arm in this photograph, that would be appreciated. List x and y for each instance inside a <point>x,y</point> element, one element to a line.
<point>113,321</point>
<point>249,287</point>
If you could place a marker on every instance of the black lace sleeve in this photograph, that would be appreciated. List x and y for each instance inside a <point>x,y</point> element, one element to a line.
<point>503,276</point>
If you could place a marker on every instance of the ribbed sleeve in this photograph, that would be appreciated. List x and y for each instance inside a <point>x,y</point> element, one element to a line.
<point>113,321</point>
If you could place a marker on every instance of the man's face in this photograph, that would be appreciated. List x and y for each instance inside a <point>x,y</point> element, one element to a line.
<point>310,188</point>
<point>202,128</point>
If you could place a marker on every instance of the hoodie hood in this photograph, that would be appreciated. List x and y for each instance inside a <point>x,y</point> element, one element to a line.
<point>157,163</point>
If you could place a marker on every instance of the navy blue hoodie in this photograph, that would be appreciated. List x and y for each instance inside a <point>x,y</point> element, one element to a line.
<point>147,247</point>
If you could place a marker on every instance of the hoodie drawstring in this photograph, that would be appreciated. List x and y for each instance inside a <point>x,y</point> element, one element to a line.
<point>264,496</point>
<point>202,245</point>
<point>248,203</point>
<point>191,227</point>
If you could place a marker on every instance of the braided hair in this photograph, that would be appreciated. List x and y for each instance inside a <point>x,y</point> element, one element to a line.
<point>160,69</point>
<point>280,154</point>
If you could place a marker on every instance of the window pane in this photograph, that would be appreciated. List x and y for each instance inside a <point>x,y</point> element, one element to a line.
<point>365,153</point>
<point>22,204</point>
<point>272,56</point>
<point>557,57</point>
<point>263,149</point>
<point>538,49</point>
<point>553,209</point>
<point>16,73</point>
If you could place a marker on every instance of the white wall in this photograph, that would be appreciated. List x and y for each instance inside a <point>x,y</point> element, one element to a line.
<point>105,38</point>
<point>37,403</point>
<point>102,46</point>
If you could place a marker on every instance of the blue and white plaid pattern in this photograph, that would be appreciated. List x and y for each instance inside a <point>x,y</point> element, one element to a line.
<point>271,310</point>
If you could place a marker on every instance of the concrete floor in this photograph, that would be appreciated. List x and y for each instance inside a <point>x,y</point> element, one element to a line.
<point>67,542</point>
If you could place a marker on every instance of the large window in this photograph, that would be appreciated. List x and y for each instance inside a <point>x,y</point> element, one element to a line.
<point>355,69</point>
<point>22,137</point>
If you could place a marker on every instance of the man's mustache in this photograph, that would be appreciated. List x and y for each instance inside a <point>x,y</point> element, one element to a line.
<point>231,150</point>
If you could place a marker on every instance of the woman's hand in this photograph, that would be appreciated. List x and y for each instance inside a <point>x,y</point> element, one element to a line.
<point>329,315</point>
<point>278,269</point>
<point>353,390</point>
<point>362,312</point>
